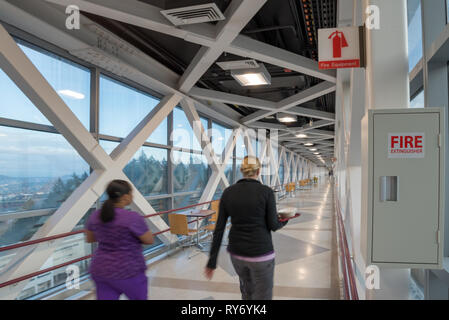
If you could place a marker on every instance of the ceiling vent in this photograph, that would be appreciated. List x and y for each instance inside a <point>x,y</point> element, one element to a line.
<point>239,64</point>
<point>208,12</point>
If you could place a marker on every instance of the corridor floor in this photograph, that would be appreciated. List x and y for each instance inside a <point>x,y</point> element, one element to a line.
<point>306,262</point>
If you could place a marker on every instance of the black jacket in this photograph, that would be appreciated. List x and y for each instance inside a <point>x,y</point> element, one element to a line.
<point>252,208</point>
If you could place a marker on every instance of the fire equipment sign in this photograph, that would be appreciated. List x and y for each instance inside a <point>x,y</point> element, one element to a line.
<point>339,48</point>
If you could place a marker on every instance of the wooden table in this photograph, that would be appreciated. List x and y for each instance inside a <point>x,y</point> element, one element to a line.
<point>198,214</point>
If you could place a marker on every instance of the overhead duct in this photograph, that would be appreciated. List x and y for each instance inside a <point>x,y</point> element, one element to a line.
<point>183,12</point>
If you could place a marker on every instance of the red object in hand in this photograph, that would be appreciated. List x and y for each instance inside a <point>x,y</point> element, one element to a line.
<point>339,42</point>
<point>286,219</point>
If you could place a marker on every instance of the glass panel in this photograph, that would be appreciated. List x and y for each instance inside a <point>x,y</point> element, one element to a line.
<point>183,201</point>
<point>238,174</point>
<point>37,170</point>
<point>220,136</point>
<point>281,174</point>
<point>240,148</point>
<point>66,249</point>
<point>418,101</point>
<point>229,172</point>
<point>69,80</point>
<point>159,205</point>
<point>291,172</point>
<point>189,171</point>
<point>74,247</point>
<point>123,107</point>
<point>183,135</point>
<point>147,170</point>
<point>414,32</point>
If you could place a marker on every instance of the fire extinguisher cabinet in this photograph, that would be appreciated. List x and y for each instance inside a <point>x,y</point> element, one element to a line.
<point>403,165</point>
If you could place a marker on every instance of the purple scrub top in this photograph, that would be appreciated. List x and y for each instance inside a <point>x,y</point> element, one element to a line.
<point>119,254</point>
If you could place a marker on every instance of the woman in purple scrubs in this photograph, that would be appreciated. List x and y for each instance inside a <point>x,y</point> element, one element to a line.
<point>118,265</point>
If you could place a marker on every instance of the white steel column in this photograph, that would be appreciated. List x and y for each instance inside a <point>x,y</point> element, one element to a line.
<point>387,86</point>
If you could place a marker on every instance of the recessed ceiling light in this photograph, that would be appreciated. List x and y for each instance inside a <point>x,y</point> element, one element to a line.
<point>301,135</point>
<point>252,77</point>
<point>285,117</point>
<point>316,153</point>
<point>72,94</point>
<point>313,149</point>
<point>308,144</point>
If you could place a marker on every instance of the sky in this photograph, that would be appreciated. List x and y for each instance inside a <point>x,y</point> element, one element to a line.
<point>25,153</point>
<point>414,33</point>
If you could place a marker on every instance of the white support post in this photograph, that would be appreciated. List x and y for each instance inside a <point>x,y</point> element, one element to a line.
<point>387,86</point>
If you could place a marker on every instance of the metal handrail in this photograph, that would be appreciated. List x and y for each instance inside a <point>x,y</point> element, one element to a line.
<point>350,287</point>
<point>63,235</point>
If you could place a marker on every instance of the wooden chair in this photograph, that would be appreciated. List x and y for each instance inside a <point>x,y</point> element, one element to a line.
<point>215,205</point>
<point>179,225</point>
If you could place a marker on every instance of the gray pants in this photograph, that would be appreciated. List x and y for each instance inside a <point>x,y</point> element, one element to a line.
<point>256,278</point>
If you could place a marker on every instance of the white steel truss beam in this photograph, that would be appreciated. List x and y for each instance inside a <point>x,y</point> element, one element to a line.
<point>238,14</point>
<point>215,178</point>
<point>224,97</point>
<point>143,15</point>
<point>147,16</point>
<point>297,99</point>
<point>202,137</point>
<point>315,125</point>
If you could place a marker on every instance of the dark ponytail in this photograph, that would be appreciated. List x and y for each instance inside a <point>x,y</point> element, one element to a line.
<point>115,190</point>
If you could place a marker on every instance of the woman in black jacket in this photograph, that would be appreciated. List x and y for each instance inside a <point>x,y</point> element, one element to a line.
<point>252,208</point>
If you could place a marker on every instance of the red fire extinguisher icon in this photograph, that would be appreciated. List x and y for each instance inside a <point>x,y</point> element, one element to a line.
<point>338,42</point>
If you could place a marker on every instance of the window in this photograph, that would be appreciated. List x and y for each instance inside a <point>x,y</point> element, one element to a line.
<point>220,136</point>
<point>147,170</point>
<point>240,148</point>
<point>189,171</point>
<point>123,107</point>
<point>229,172</point>
<point>70,81</point>
<point>418,100</point>
<point>414,32</point>
<point>291,170</point>
<point>281,173</point>
<point>38,170</point>
<point>183,135</point>
<point>187,200</point>
<point>238,174</point>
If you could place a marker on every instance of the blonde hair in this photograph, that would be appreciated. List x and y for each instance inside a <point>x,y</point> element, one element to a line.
<point>249,166</point>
